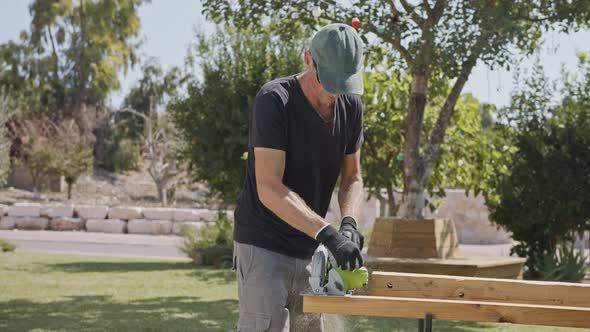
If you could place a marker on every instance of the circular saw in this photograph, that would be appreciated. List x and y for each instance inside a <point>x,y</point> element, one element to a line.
<point>327,279</point>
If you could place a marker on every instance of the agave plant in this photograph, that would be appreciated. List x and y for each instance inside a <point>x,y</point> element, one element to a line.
<point>566,264</point>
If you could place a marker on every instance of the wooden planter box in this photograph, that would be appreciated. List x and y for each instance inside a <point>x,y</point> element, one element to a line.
<point>405,238</point>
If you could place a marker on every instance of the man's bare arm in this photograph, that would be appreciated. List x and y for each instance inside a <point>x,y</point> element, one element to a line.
<point>282,201</point>
<point>351,186</point>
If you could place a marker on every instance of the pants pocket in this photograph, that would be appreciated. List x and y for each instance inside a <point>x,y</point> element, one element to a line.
<point>251,322</point>
<point>244,260</point>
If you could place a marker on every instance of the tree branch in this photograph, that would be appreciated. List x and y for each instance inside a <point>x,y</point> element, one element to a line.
<point>427,8</point>
<point>410,10</point>
<point>438,10</point>
<point>394,10</point>
<point>437,135</point>
<point>396,42</point>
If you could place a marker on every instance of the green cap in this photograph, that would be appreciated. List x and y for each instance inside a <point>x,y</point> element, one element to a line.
<point>338,53</point>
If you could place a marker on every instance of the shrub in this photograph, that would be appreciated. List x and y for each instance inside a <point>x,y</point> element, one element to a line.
<point>213,117</point>
<point>66,154</point>
<point>39,158</point>
<point>544,197</point>
<point>566,264</point>
<point>6,246</point>
<point>6,113</point>
<point>126,156</point>
<point>213,244</point>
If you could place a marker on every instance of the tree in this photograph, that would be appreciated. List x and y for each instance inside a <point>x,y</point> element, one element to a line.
<point>73,156</point>
<point>7,111</point>
<point>39,157</point>
<point>154,87</point>
<point>544,198</point>
<point>431,40</point>
<point>459,165</point>
<point>213,118</point>
<point>70,57</point>
<point>161,151</point>
<point>65,153</point>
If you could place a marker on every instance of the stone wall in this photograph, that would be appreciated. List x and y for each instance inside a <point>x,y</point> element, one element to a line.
<point>471,218</point>
<point>118,219</point>
<point>468,212</point>
<point>20,178</point>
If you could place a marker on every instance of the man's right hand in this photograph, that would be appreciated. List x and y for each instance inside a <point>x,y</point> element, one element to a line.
<point>347,253</point>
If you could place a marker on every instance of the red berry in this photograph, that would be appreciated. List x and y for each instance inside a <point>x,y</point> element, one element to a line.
<point>356,23</point>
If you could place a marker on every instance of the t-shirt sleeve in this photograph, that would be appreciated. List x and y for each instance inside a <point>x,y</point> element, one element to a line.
<point>268,123</point>
<point>356,138</point>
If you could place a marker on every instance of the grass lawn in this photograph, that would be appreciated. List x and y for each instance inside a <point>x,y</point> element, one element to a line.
<point>42,292</point>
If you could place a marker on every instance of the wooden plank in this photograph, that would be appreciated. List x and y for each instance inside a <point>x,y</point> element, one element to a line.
<point>478,289</point>
<point>401,242</point>
<point>466,265</point>
<point>382,226</point>
<point>448,310</point>
<point>451,269</point>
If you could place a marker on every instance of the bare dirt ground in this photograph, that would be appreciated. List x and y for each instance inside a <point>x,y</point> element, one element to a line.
<point>105,188</point>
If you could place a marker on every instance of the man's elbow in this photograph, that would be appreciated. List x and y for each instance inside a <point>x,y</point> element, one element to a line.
<point>352,179</point>
<point>265,190</point>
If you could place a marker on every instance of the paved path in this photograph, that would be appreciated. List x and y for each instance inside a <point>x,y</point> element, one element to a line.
<point>135,245</point>
<point>119,245</point>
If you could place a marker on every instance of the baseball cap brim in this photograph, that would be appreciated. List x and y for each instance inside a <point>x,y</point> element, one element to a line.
<point>341,83</point>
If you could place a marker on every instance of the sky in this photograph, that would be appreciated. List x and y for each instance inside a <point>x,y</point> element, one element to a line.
<point>168,27</point>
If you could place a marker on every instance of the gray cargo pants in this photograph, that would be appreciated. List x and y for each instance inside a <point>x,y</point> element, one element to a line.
<point>269,288</point>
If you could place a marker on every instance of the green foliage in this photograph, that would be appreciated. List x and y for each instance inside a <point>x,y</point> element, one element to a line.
<point>211,243</point>
<point>72,54</point>
<point>566,264</point>
<point>213,118</point>
<point>39,157</point>
<point>427,30</point>
<point>545,195</point>
<point>65,155</point>
<point>154,89</point>
<point>7,111</point>
<point>6,246</point>
<point>76,159</point>
<point>434,41</point>
<point>467,146</point>
<point>126,156</point>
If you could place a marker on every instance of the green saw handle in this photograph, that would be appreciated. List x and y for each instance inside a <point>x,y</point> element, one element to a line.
<point>357,278</point>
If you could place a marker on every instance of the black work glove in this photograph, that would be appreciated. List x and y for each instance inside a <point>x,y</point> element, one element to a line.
<point>348,229</point>
<point>347,253</point>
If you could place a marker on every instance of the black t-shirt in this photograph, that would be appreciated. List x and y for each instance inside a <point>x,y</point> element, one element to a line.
<point>282,118</point>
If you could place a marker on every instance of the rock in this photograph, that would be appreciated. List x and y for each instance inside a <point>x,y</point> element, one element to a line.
<point>55,211</point>
<point>7,223</point>
<point>208,215</point>
<point>154,227</point>
<point>125,212</point>
<point>66,224</point>
<point>106,225</point>
<point>25,210</point>
<point>3,210</point>
<point>177,226</point>
<point>158,213</point>
<point>91,211</point>
<point>194,215</point>
<point>185,215</point>
<point>31,223</point>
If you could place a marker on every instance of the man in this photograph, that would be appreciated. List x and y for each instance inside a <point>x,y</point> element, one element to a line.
<point>305,131</point>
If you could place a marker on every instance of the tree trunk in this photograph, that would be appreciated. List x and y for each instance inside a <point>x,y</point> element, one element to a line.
<point>391,206</point>
<point>162,196</point>
<point>70,185</point>
<point>412,203</point>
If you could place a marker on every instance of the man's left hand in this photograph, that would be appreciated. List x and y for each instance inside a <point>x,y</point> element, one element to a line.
<point>348,228</point>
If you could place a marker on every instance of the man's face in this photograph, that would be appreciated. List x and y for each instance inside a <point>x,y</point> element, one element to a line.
<point>312,66</point>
